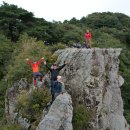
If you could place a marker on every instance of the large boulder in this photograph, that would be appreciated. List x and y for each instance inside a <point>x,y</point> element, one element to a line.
<point>60,114</point>
<point>92,78</point>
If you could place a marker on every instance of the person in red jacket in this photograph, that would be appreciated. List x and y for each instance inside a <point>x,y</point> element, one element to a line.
<point>35,68</point>
<point>88,36</point>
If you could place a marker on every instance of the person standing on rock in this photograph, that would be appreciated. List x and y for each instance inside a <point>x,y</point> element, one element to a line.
<point>54,73</point>
<point>88,36</point>
<point>35,68</point>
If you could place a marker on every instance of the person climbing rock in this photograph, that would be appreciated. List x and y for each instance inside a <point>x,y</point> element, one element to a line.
<point>54,73</point>
<point>88,36</point>
<point>35,68</point>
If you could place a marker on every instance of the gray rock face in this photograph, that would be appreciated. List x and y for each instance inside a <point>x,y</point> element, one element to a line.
<point>11,100</point>
<point>60,114</point>
<point>92,78</point>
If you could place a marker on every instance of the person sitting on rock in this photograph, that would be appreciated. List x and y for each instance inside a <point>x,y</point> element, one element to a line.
<point>35,69</point>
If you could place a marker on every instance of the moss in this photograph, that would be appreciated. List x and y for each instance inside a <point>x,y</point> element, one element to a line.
<point>81,117</point>
<point>95,71</point>
<point>12,127</point>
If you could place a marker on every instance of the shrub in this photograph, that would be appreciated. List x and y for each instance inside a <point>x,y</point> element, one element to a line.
<point>57,46</point>
<point>127,115</point>
<point>3,87</point>
<point>27,48</point>
<point>6,49</point>
<point>107,128</point>
<point>31,105</point>
<point>12,127</point>
<point>81,117</point>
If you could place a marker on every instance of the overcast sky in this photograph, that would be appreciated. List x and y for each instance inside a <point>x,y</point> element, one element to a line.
<point>60,10</point>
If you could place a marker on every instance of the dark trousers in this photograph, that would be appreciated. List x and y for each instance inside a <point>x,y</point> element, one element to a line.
<point>52,91</point>
<point>36,75</point>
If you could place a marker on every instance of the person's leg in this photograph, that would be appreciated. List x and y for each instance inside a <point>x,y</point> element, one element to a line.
<point>40,75</point>
<point>52,91</point>
<point>53,97</point>
<point>35,80</point>
<point>90,43</point>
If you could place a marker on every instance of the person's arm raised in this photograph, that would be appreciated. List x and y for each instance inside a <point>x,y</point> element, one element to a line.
<point>61,67</point>
<point>29,61</point>
<point>42,59</point>
<point>47,65</point>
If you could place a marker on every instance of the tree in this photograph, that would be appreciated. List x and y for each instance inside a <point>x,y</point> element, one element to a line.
<point>6,49</point>
<point>14,20</point>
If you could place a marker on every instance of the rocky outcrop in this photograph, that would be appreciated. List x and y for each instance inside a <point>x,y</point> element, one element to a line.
<point>11,100</point>
<point>92,78</point>
<point>60,114</point>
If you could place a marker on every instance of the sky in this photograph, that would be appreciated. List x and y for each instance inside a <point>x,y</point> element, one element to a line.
<point>60,10</point>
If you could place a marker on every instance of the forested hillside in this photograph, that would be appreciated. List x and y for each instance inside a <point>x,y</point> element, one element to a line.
<point>24,36</point>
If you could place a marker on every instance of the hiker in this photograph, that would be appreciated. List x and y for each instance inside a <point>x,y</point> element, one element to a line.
<point>58,87</point>
<point>88,45</point>
<point>88,36</point>
<point>35,69</point>
<point>54,73</point>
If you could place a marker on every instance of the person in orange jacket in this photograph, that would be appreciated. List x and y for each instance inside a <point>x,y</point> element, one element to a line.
<point>35,68</point>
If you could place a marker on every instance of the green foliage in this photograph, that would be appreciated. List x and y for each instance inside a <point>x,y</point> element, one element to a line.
<point>39,29</point>
<point>125,72</point>
<point>12,127</point>
<point>14,20</point>
<point>40,98</point>
<point>108,30</point>
<point>107,19</point>
<point>3,87</point>
<point>23,99</point>
<point>127,115</point>
<point>6,49</point>
<point>106,41</point>
<point>31,105</point>
<point>81,117</point>
<point>72,33</point>
<point>73,21</point>
<point>57,46</point>
<point>27,48</point>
